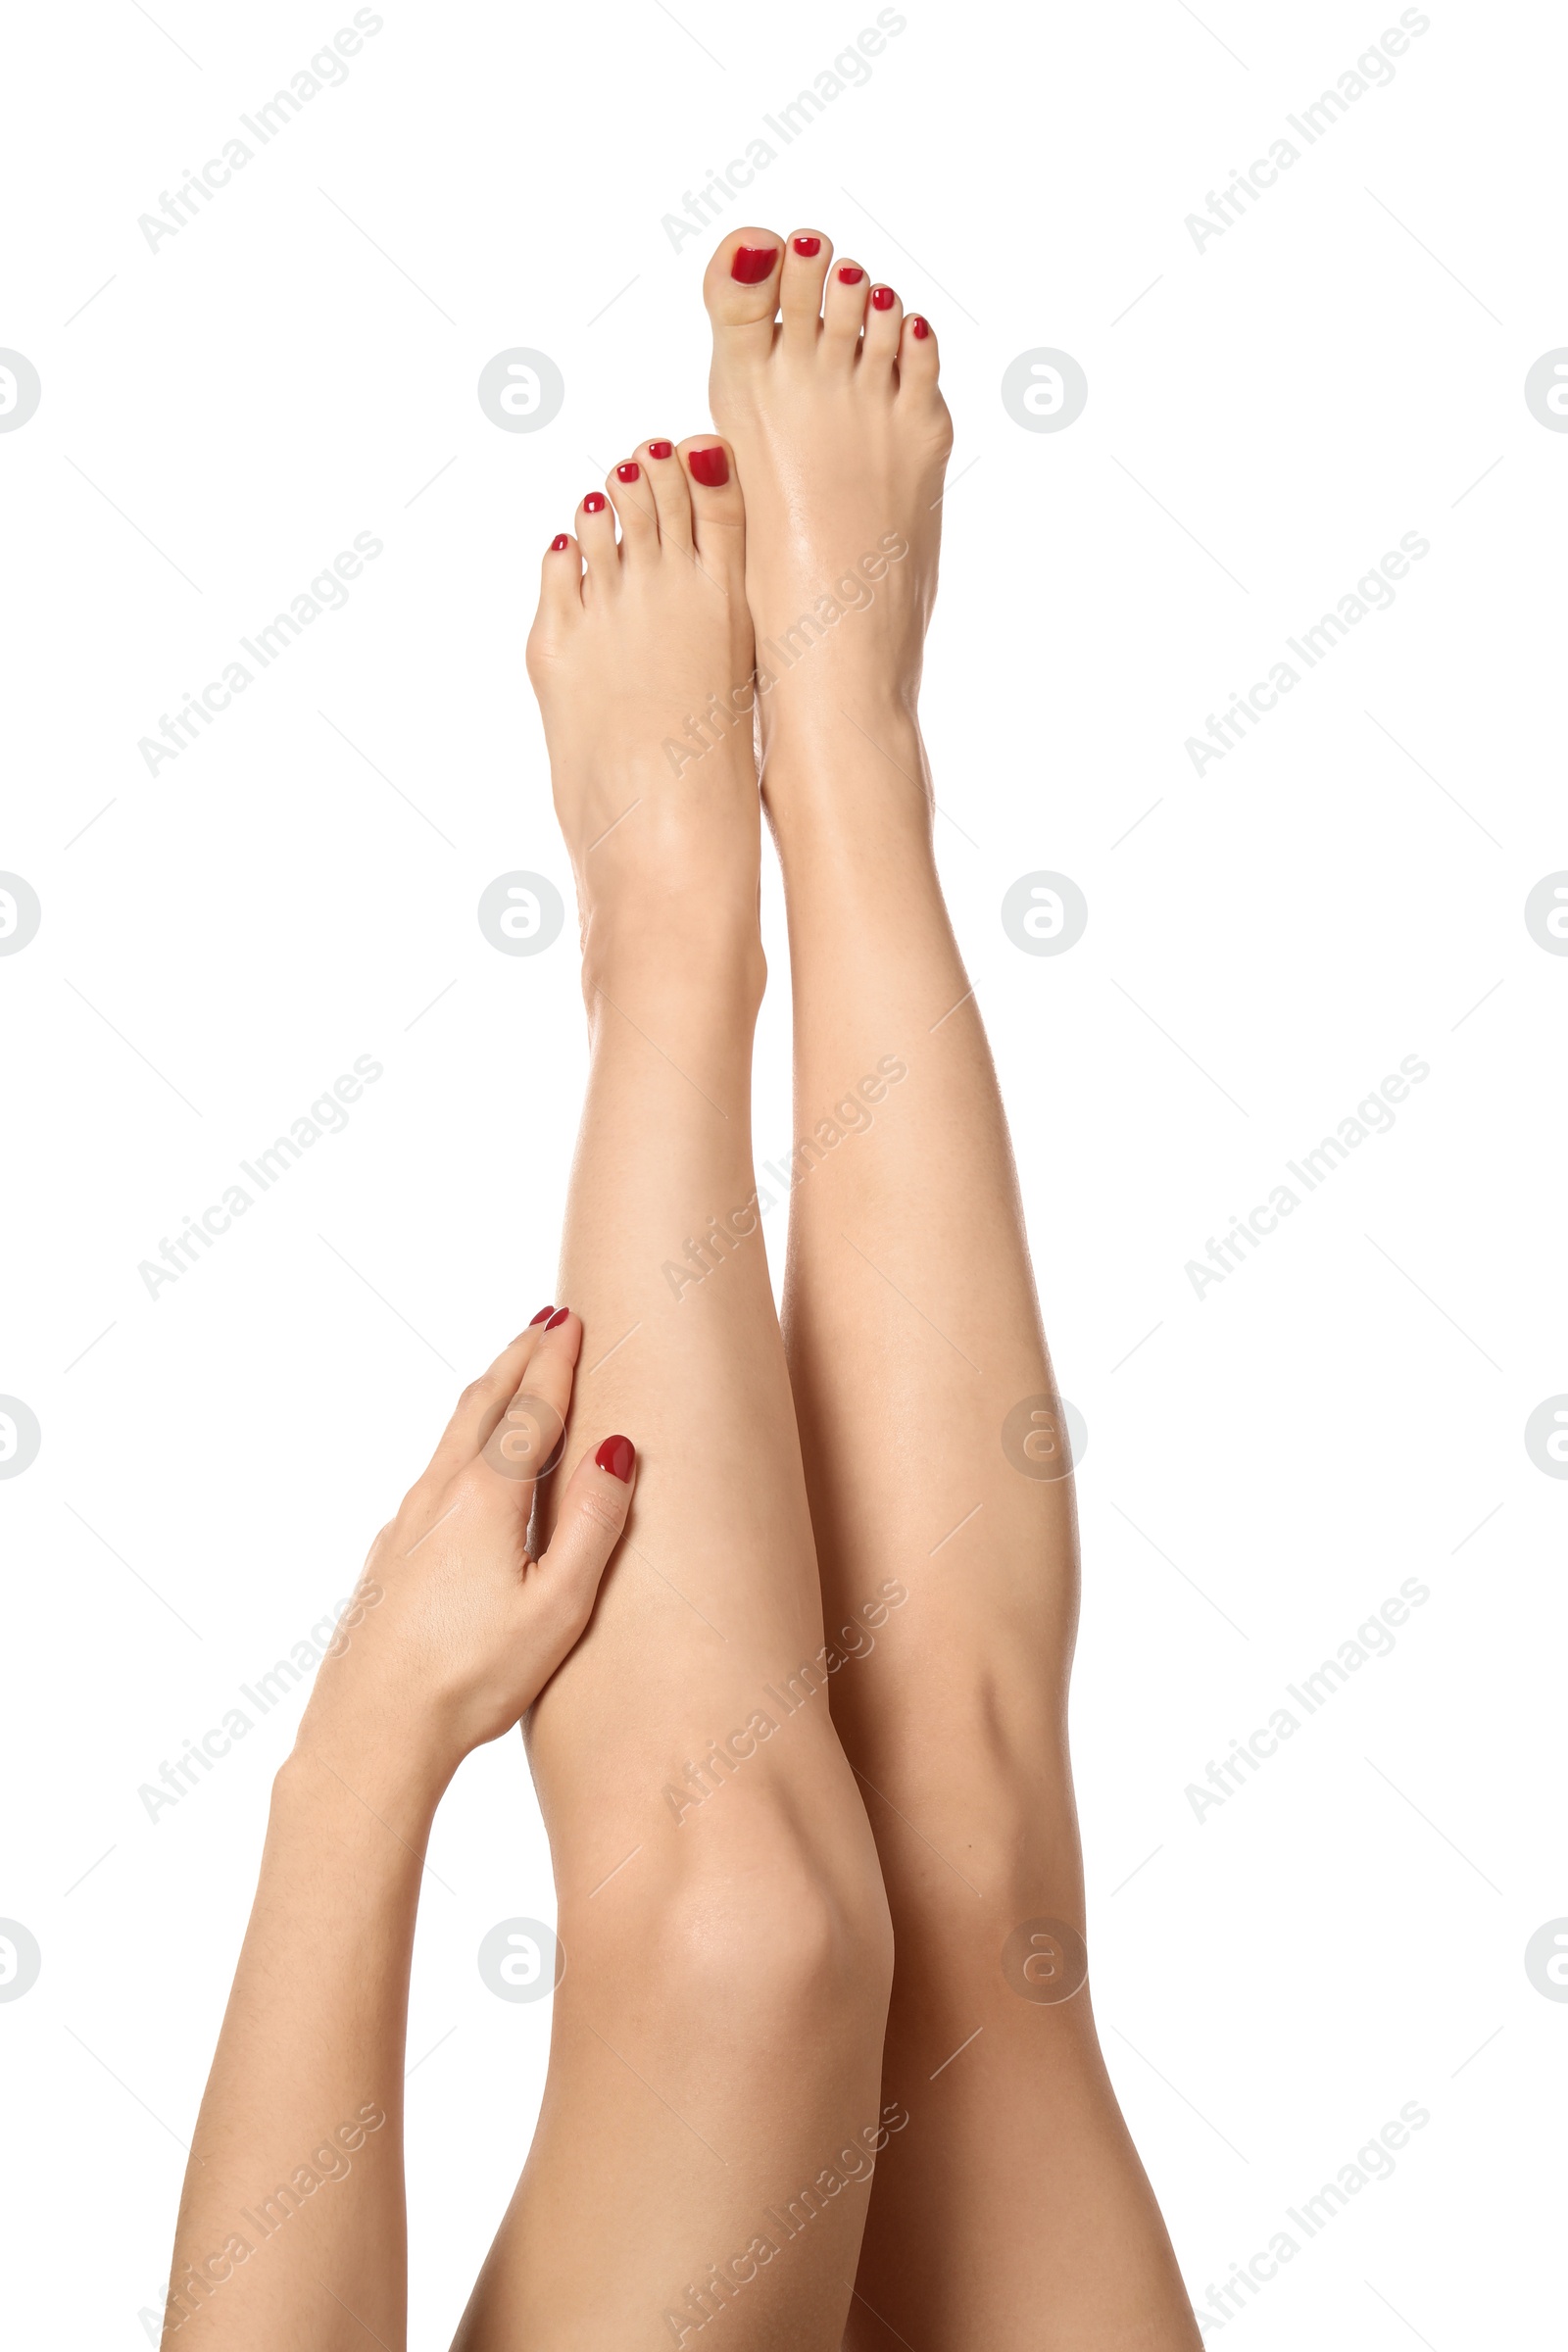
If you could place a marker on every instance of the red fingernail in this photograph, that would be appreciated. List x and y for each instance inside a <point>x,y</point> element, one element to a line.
<point>883,298</point>
<point>850,275</point>
<point>661,448</point>
<point>618,1455</point>
<point>806,247</point>
<point>631,471</point>
<point>558,1317</point>
<point>594,503</point>
<point>921,330</point>
<point>560,543</point>
<point>710,467</point>
<point>753,262</point>
<point>543,1316</point>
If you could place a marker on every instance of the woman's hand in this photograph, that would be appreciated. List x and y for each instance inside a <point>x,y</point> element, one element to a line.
<point>453,1629</point>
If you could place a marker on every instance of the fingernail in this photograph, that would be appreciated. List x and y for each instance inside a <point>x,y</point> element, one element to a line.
<point>883,298</point>
<point>806,247</point>
<point>850,274</point>
<point>921,330</point>
<point>560,543</point>
<point>594,503</point>
<point>543,1316</point>
<point>631,471</point>
<point>618,1455</point>
<point>558,1317</point>
<point>751,264</point>
<point>661,448</point>
<point>710,467</point>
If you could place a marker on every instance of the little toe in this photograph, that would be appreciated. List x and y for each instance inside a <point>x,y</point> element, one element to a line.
<point>807,256</point>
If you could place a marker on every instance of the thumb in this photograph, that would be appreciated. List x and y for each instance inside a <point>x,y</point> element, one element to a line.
<point>593,1515</point>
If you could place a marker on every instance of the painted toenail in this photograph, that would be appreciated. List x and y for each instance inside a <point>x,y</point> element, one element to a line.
<point>883,298</point>
<point>631,471</point>
<point>710,467</point>
<point>850,275</point>
<point>559,544</point>
<point>594,503</point>
<point>661,448</point>
<point>806,247</point>
<point>753,262</point>
<point>921,330</point>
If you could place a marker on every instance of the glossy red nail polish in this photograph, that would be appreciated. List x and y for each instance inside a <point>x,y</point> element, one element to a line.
<point>753,262</point>
<point>543,1316</point>
<point>808,247</point>
<point>921,330</point>
<point>850,275</point>
<point>883,298</point>
<point>661,448</point>
<point>631,471</point>
<point>618,1455</point>
<point>560,543</point>
<point>710,467</point>
<point>558,1318</point>
<point>594,503</point>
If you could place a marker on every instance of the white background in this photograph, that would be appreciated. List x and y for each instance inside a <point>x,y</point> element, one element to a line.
<point>1342,366</point>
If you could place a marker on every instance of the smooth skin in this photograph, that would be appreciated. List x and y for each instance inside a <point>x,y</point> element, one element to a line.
<point>291,2224</point>
<point>1013,2211</point>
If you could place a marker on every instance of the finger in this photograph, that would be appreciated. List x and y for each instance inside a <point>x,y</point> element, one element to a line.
<point>525,1441</point>
<point>593,1518</point>
<point>482,1405</point>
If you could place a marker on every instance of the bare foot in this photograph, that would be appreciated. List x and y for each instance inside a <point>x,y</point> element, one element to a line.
<point>828,395</point>
<point>640,657</point>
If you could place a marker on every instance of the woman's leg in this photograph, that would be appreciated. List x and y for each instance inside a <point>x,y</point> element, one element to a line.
<point>714,2093</point>
<point>1012,2211</point>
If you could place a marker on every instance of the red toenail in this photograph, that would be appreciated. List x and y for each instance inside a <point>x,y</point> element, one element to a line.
<point>558,544</point>
<point>594,503</point>
<point>661,448</point>
<point>806,247</point>
<point>850,275</point>
<point>921,330</point>
<point>883,298</point>
<point>710,467</point>
<point>753,262</point>
<point>631,471</point>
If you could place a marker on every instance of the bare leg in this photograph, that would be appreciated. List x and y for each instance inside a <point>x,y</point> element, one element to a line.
<point>713,2092</point>
<point>1013,2211</point>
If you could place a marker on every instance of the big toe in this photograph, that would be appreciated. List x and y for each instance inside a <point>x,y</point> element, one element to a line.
<point>740,287</point>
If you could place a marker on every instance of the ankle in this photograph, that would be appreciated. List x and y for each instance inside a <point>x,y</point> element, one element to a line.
<point>697,957</point>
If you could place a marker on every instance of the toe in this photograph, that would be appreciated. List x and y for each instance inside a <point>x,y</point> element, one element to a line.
<point>741,290</point>
<point>843,310</point>
<point>719,512</point>
<point>634,500</point>
<point>807,256</point>
<point>918,358</point>
<point>560,580</point>
<point>667,483</point>
<point>596,536</point>
<point>884,318</point>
